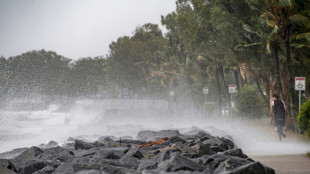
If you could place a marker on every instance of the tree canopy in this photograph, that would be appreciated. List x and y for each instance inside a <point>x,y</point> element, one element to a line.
<point>210,43</point>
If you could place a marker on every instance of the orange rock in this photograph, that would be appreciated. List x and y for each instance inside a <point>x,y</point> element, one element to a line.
<point>159,141</point>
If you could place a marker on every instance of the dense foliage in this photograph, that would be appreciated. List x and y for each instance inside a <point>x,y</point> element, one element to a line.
<point>210,43</point>
<point>249,103</point>
<point>304,117</point>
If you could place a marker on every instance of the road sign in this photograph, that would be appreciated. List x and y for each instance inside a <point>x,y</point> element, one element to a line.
<point>232,88</point>
<point>205,90</point>
<point>300,83</point>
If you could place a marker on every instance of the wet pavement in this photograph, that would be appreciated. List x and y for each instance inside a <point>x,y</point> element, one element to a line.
<point>286,164</point>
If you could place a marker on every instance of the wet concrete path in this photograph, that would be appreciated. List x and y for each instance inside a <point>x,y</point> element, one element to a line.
<point>286,164</point>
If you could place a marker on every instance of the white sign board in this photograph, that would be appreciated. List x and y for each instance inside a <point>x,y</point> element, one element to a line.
<point>300,83</point>
<point>232,88</point>
<point>171,93</point>
<point>205,90</point>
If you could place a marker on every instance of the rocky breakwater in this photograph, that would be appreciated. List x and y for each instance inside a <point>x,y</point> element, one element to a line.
<point>153,152</point>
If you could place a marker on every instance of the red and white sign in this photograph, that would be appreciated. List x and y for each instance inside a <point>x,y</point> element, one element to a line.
<point>232,88</point>
<point>300,83</point>
<point>205,90</point>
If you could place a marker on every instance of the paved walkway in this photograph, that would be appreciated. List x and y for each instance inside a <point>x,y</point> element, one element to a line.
<point>286,164</point>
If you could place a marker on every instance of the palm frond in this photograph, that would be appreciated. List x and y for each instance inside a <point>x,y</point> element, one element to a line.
<point>285,3</point>
<point>299,19</point>
<point>303,36</point>
<point>298,45</point>
<point>247,45</point>
<point>268,15</point>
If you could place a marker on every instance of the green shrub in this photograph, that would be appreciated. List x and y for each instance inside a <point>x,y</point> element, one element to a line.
<point>309,129</point>
<point>250,103</point>
<point>303,118</point>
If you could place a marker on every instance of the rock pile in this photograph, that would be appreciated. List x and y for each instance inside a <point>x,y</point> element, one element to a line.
<point>166,151</point>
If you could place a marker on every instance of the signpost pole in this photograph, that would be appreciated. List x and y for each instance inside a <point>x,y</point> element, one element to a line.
<point>299,101</point>
<point>231,90</point>
<point>171,104</point>
<point>231,100</point>
<point>205,98</point>
<point>205,91</point>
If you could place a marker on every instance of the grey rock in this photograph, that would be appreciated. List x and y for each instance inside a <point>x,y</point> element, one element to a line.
<point>13,153</point>
<point>81,163</point>
<point>162,156</point>
<point>196,152</point>
<point>147,165</point>
<point>148,135</point>
<point>50,144</point>
<point>135,152</point>
<point>80,144</point>
<point>69,145</point>
<point>174,139</point>
<point>130,142</point>
<point>129,162</point>
<point>92,171</point>
<point>110,169</point>
<point>112,152</point>
<point>235,152</point>
<point>29,154</point>
<point>47,169</point>
<point>228,167</point>
<point>64,168</point>
<point>4,170</point>
<point>203,149</point>
<point>214,161</point>
<point>56,153</point>
<point>5,163</point>
<point>104,139</point>
<point>30,167</point>
<point>178,162</point>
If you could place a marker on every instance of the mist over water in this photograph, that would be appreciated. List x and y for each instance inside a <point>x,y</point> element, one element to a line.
<point>90,119</point>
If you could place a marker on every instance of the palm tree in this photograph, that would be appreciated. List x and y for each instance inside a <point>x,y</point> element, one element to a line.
<point>284,15</point>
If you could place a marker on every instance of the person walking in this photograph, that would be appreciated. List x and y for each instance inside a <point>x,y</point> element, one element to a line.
<point>278,113</point>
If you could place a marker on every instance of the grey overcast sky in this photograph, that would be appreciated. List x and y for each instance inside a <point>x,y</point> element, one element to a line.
<point>73,28</point>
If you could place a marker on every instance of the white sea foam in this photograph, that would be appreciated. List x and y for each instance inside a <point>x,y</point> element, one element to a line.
<point>91,119</point>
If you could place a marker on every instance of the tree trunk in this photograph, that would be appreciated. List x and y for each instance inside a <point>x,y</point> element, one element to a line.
<point>236,74</point>
<point>276,47</point>
<point>225,84</point>
<point>260,89</point>
<point>290,82</point>
<point>219,91</point>
<point>243,73</point>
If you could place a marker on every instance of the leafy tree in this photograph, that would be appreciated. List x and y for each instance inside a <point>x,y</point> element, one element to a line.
<point>249,103</point>
<point>35,72</point>
<point>87,77</point>
<point>282,14</point>
<point>132,60</point>
<point>303,118</point>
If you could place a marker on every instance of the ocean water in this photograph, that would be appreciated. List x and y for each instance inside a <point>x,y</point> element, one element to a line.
<point>87,119</point>
<point>90,119</point>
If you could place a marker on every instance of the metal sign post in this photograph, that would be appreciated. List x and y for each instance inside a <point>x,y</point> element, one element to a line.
<point>300,85</point>
<point>232,90</point>
<point>205,91</point>
<point>171,104</point>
